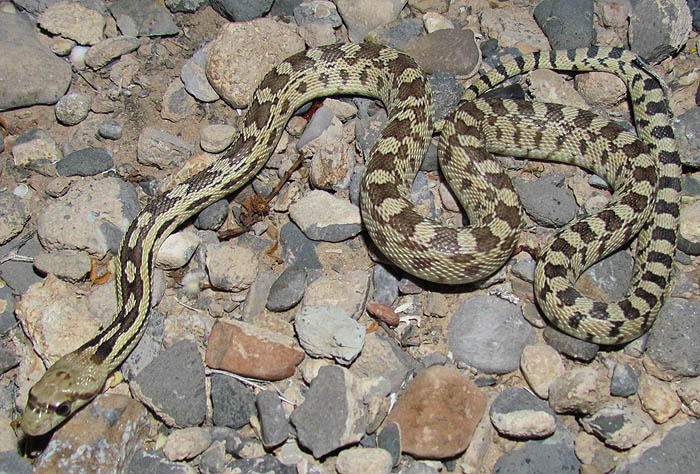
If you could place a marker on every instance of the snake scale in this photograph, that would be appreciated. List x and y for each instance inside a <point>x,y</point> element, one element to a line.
<point>646,178</point>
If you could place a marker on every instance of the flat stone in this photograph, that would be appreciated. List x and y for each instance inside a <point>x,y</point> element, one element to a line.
<point>327,331</point>
<point>322,216</point>
<point>35,146</point>
<point>85,162</point>
<point>620,428</point>
<point>74,21</point>
<point>516,413</point>
<point>438,413</point>
<point>143,18</point>
<point>232,402</point>
<point>106,51</point>
<point>252,351</point>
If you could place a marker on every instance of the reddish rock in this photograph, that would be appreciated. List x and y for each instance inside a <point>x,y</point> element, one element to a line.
<point>252,351</point>
<point>106,433</point>
<point>383,313</point>
<point>438,413</point>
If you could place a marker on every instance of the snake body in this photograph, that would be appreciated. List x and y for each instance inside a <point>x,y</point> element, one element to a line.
<point>416,244</point>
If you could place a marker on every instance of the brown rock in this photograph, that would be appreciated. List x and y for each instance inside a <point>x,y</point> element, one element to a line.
<point>107,433</point>
<point>383,313</point>
<point>454,51</point>
<point>252,351</point>
<point>658,398</point>
<point>438,413</point>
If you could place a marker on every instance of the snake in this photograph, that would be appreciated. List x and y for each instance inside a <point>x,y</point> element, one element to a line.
<point>644,172</point>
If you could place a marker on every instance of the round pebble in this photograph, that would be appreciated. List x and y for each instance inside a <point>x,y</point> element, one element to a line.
<point>73,108</point>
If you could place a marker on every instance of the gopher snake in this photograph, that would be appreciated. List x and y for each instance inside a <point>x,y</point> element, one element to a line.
<point>414,243</point>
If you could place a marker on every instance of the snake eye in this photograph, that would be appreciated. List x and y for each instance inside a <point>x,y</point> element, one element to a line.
<point>63,409</point>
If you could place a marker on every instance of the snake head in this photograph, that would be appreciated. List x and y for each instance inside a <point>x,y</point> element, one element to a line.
<point>62,390</point>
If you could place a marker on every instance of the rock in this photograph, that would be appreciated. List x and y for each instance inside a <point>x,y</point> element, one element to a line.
<point>12,462</point>
<point>107,433</point>
<point>73,21</point>
<point>675,452</point>
<point>568,24</point>
<point>106,51</point>
<point>332,414</point>
<point>389,439</point>
<point>67,265</point>
<point>179,399</point>
<point>35,146</point>
<point>539,457</point>
<point>363,16</point>
<point>327,331</point>
<point>216,138</point>
<point>273,421</point>
<point>186,443</point>
<point>213,216</point>
<point>438,413</point>
<point>214,459</point>
<point>516,413</point>
<point>263,464</point>
<point>31,73</point>
<point>162,149</point>
<point>287,290</point>
<point>72,109</point>
<point>231,267</point>
<point>669,346</point>
<point>297,249</point>
<point>194,76</point>
<point>321,216</point>
<point>658,29</point>
<point>570,346</point>
<point>232,402</point>
<point>252,351</point>
<point>624,381</point>
<point>19,276</point>
<point>241,10</point>
<point>546,200</point>
<point>386,285</point>
<point>489,334</point>
<point>383,358</point>
<point>92,217</point>
<point>177,250</point>
<point>232,71</point>
<point>14,216</point>
<point>85,162</point>
<point>185,6</point>
<point>689,391</point>
<point>540,365</point>
<point>363,460</point>
<point>155,461</point>
<point>580,391</point>
<point>513,27</point>
<point>143,18</point>
<point>620,428</point>
<point>346,292</point>
<point>450,50</point>
<point>658,399</point>
<point>177,104</point>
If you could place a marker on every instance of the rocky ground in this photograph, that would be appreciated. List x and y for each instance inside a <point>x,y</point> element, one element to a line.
<point>341,362</point>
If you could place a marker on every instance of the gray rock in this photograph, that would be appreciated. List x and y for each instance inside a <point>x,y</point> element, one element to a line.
<point>85,162</point>
<point>232,402</point>
<point>13,463</point>
<point>147,348</point>
<point>384,361</point>
<point>35,146</point>
<point>567,23</point>
<point>105,51</point>
<point>213,460</point>
<point>162,149</point>
<point>676,453</point>
<point>398,32</point>
<point>287,290</point>
<point>612,275</point>
<point>273,421</point>
<point>694,6</point>
<point>538,457</point>
<point>7,308</point>
<point>13,218</point>
<point>180,398</point>
<point>322,216</point>
<point>517,413</point>
<point>658,28</point>
<point>72,109</point>
<point>156,463</point>
<point>8,359</point>
<point>19,275</point>
<point>546,200</point>
<point>194,77</point>
<point>267,464</point>
<point>446,93</point>
<point>284,7</point>
<point>389,439</point>
<point>330,416</point>
<point>386,285</point>
<point>327,331</point>
<point>213,216</point>
<point>31,73</point>
<point>258,295</point>
<point>421,468</point>
<point>318,124</point>
<point>317,12</point>
<point>620,428</point>
<point>570,346</point>
<point>489,334</point>
<point>241,10</point>
<point>184,6</point>
<point>625,381</point>
<point>670,345</point>
<point>110,129</point>
<point>143,18</point>
<point>687,128</point>
<point>298,249</point>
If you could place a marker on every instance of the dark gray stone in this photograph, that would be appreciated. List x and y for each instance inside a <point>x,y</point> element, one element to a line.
<point>156,463</point>
<point>687,128</point>
<point>110,129</point>
<point>694,6</point>
<point>273,421</point>
<point>148,347</point>
<point>267,464</point>
<point>297,248</point>
<point>85,162</point>
<point>446,93</point>
<point>31,73</point>
<point>489,334</point>
<point>182,393</point>
<point>513,400</point>
<point>398,32</point>
<point>386,284</point>
<point>570,346</point>
<point>547,200</point>
<point>676,453</point>
<point>185,6</point>
<point>213,460</point>
<point>19,275</point>
<point>567,23</point>
<point>389,439</point>
<point>287,290</point>
<point>654,27</point>
<point>143,18</point>
<point>213,216</point>
<point>538,457</point>
<point>625,381</point>
<point>8,359</point>
<point>13,463</point>
<point>7,308</point>
<point>671,344</point>
<point>284,7</point>
<point>232,402</point>
<point>241,10</point>
<point>613,274</point>
<point>306,13</point>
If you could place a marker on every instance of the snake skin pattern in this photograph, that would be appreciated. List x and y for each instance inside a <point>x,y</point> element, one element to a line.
<point>414,243</point>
